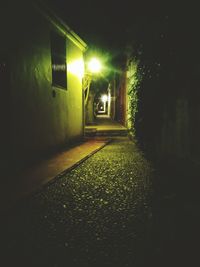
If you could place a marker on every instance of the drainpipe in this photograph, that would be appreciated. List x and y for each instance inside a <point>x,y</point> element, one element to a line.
<point>109,100</point>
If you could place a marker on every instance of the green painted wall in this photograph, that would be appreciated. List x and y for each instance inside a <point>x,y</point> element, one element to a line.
<point>42,118</point>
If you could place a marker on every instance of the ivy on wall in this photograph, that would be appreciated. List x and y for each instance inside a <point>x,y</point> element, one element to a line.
<point>134,77</point>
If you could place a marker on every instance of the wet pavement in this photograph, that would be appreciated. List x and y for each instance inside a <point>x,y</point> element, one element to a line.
<point>98,214</point>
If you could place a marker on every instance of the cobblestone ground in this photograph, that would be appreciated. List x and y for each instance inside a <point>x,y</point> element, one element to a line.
<point>96,215</point>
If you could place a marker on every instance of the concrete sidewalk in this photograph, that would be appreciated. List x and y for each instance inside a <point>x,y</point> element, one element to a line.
<point>105,126</point>
<point>33,179</point>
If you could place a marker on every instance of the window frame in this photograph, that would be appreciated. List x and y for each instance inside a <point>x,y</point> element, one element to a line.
<point>58,46</point>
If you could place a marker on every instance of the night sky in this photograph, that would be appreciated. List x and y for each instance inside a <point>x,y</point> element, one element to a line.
<point>159,31</point>
<point>111,21</point>
<point>108,23</point>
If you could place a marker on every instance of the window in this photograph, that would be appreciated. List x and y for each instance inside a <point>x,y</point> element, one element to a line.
<point>58,60</point>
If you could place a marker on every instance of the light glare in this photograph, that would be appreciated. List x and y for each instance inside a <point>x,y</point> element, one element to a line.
<point>104,98</point>
<point>77,68</point>
<point>94,65</point>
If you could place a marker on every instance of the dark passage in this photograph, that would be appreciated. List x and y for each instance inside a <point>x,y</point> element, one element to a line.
<point>112,210</point>
<point>99,214</point>
<point>134,203</point>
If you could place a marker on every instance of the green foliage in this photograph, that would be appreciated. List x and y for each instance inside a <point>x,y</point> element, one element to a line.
<point>134,77</point>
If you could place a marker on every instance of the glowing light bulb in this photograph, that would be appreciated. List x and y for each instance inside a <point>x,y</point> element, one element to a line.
<point>104,98</point>
<point>94,65</point>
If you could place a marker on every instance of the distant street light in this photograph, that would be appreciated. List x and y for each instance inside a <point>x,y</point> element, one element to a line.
<point>104,98</point>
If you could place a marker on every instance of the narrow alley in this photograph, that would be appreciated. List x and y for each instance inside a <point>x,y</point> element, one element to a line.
<point>99,139</point>
<point>96,215</point>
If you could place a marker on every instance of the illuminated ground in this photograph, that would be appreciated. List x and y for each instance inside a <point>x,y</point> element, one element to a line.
<point>96,215</point>
<point>112,210</point>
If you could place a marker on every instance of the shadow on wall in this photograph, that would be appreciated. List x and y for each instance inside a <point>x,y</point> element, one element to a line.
<point>168,121</point>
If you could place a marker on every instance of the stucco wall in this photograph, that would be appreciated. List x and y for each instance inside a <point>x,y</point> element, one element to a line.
<point>43,118</point>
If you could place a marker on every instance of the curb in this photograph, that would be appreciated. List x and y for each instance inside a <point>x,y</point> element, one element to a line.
<point>23,198</point>
<point>60,175</point>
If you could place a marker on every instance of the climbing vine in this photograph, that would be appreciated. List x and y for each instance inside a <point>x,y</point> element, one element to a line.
<point>134,77</point>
